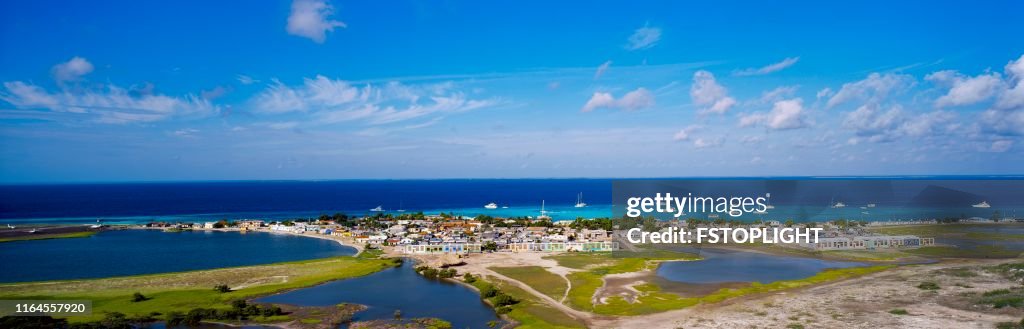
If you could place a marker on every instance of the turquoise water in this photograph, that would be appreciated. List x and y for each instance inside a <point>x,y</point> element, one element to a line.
<point>397,289</point>
<point>132,252</point>
<point>722,266</point>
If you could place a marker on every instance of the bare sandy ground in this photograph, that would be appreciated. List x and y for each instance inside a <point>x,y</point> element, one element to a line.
<point>862,302</point>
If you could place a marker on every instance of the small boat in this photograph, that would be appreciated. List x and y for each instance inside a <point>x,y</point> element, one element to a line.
<point>579,201</point>
<point>504,207</point>
<point>378,209</point>
<point>770,207</point>
<point>864,212</point>
<point>32,231</point>
<point>871,205</point>
<point>863,207</point>
<point>983,204</point>
<point>98,224</point>
<point>542,211</point>
<point>491,205</point>
<point>838,205</point>
<point>400,207</point>
<point>9,226</point>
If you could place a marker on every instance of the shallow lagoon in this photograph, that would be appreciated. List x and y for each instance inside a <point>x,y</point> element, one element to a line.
<point>133,252</point>
<point>393,289</point>
<point>722,266</point>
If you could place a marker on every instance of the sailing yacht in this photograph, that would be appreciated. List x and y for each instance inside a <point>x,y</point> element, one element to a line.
<point>543,213</point>
<point>769,206</point>
<point>378,209</point>
<point>491,205</point>
<point>400,208</point>
<point>983,204</point>
<point>579,201</point>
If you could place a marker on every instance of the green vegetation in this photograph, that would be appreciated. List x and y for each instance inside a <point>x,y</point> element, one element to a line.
<point>83,234</point>
<point>1000,298</point>
<point>950,230</point>
<point>653,300</point>
<point>898,311</point>
<point>928,285</point>
<point>954,252</point>
<point>537,278</point>
<point>185,291</point>
<point>433,273</point>
<point>1012,271</point>
<point>529,311</point>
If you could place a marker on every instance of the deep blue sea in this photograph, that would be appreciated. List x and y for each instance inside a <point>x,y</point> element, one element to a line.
<point>799,198</point>
<point>131,252</point>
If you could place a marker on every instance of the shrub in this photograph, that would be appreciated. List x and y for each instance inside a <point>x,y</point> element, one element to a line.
<point>469,278</point>
<point>928,285</point>
<point>488,291</point>
<point>138,297</point>
<point>222,288</point>
<point>503,310</point>
<point>501,299</point>
<point>898,311</point>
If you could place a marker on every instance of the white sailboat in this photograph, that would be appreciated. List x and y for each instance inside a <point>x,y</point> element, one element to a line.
<point>837,204</point>
<point>543,213</point>
<point>378,209</point>
<point>983,204</point>
<point>871,205</point>
<point>579,201</point>
<point>491,205</point>
<point>769,197</point>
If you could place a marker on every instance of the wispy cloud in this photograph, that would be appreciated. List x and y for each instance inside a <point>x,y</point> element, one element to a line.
<point>770,68</point>
<point>601,69</point>
<point>644,38</point>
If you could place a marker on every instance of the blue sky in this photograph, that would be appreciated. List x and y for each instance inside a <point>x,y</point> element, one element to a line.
<point>140,91</point>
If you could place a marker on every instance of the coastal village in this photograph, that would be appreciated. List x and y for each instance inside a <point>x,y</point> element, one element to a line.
<point>447,233</point>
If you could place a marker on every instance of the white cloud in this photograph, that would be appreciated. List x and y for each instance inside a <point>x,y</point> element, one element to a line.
<point>333,101</point>
<point>71,70</point>
<point>245,79</point>
<point>601,69</point>
<point>965,90</point>
<point>708,142</point>
<point>1001,146</point>
<point>873,89</point>
<point>187,132</point>
<point>634,100</point>
<point>1013,96</point>
<point>111,104</point>
<point>643,38</point>
<point>824,93</point>
<point>770,68</point>
<point>685,133</point>
<point>785,115</point>
<point>708,94</point>
<point>311,19</point>
<point>870,121</point>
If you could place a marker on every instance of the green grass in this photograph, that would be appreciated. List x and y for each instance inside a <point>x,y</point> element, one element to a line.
<point>1001,298</point>
<point>537,278</point>
<point>898,311</point>
<point>83,234</point>
<point>530,312</point>
<point>928,285</point>
<point>653,300</point>
<point>950,230</point>
<point>954,252</point>
<point>184,291</point>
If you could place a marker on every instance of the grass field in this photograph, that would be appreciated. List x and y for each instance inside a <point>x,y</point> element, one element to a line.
<point>530,312</point>
<point>49,236</point>
<point>537,278</point>
<point>184,291</point>
<point>653,300</point>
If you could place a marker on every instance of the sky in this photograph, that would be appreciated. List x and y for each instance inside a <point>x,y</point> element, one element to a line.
<point>314,89</point>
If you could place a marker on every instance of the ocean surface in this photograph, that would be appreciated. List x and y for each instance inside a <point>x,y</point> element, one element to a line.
<point>132,252</point>
<point>798,198</point>
<point>397,289</point>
